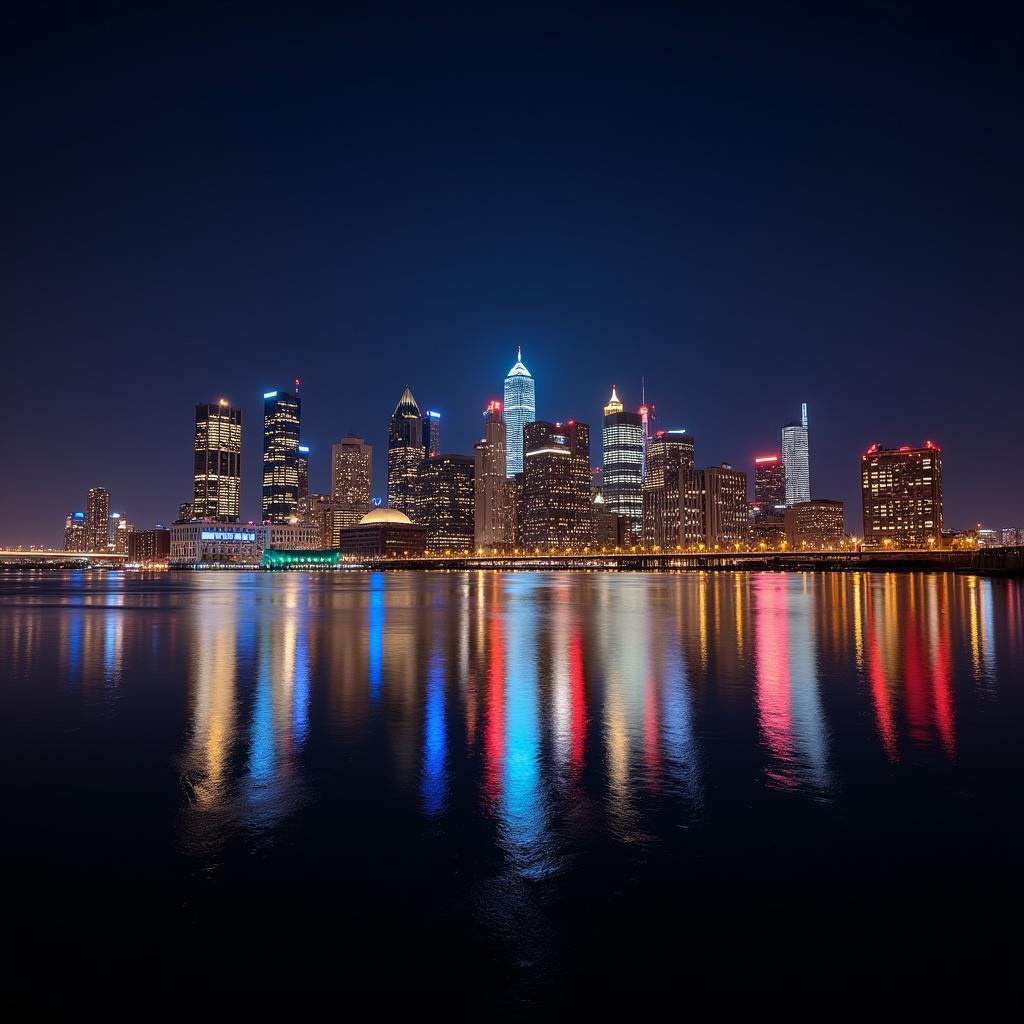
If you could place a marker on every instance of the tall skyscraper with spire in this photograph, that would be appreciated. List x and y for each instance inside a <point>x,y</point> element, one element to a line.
<point>796,457</point>
<point>405,453</point>
<point>623,450</point>
<point>520,409</point>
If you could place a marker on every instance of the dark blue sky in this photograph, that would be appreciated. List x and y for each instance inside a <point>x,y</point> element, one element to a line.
<point>752,211</point>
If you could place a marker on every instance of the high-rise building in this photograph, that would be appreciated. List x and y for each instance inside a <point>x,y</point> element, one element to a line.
<point>817,524</point>
<point>555,510</point>
<point>302,466</point>
<point>282,414</point>
<point>97,519</point>
<point>320,509</point>
<point>796,457</point>
<point>726,518</point>
<point>445,502</point>
<point>431,433</point>
<point>184,512</point>
<point>490,484</point>
<point>149,547</point>
<point>769,483</point>
<point>622,445</point>
<point>670,456</point>
<point>76,532</point>
<point>520,409</point>
<point>646,421</point>
<point>405,453</point>
<point>352,473</point>
<point>120,531</point>
<point>217,487</point>
<point>608,528</point>
<point>901,492</point>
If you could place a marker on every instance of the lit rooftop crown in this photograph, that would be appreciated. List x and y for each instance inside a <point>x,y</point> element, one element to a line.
<point>614,405</point>
<point>519,370</point>
<point>407,405</point>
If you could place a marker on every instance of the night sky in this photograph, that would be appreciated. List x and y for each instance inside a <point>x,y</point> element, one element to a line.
<point>752,211</point>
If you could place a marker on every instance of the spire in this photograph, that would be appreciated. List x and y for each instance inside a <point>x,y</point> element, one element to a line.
<point>407,404</point>
<point>614,405</point>
<point>519,370</point>
<point>803,415</point>
<point>519,353</point>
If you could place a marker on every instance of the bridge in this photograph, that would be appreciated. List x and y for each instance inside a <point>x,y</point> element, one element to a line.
<point>15,556</point>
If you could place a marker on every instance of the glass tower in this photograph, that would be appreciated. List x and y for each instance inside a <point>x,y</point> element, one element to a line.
<point>405,453</point>
<point>218,463</point>
<point>281,456</point>
<point>520,409</point>
<point>796,457</point>
<point>623,449</point>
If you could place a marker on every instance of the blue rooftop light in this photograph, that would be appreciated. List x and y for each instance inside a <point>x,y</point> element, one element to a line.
<point>304,449</point>
<point>270,394</point>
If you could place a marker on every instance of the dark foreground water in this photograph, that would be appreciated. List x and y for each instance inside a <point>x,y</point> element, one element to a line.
<point>511,794</point>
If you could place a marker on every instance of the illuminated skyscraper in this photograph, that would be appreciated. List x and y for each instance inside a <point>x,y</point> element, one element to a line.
<point>405,453</point>
<point>796,457</point>
<point>282,412</point>
<point>217,486</point>
<point>901,490</point>
<point>726,518</point>
<point>444,503</point>
<point>97,519</point>
<point>670,456</point>
<point>623,449</point>
<point>491,520</point>
<point>302,464</point>
<point>520,409</point>
<point>431,433</point>
<point>351,483</point>
<point>75,532</point>
<point>555,509</point>
<point>769,483</point>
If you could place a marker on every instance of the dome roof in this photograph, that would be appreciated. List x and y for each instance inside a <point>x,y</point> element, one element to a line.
<point>385,515</point>
<point>519,370</point>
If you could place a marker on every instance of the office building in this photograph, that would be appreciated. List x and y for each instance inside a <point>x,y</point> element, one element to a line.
<point>622,446</point>
<point>405,453</point>
<point>383,531</point>
<point>302,465</point>
<point>520,409</point>
<point>796,458</point>
<point>149,547</point>
<point>120,530</point>
<point>97,519</point>
<point>1011,536</point>
<point>282,414</point>
<point>445,502</point>
<point>351,483</point>
<point>185,512</point>
<point>319,510</point>
<point>726,519</point>
<point>207,543</point>
<point>431,433</point>
<point>217,484</point>
<point>490,524</point>
<point>288,537</point>
<point>555,510</point>
<point>76,532</point>
<point>608,528</point>
<point>770,483</point>
<point>670,455</point>
<point>817,525</point>
<point>901,494</point>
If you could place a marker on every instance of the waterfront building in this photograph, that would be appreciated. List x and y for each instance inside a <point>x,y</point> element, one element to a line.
<point>608,527</point>
<point>405,453</point>
<point>670,455</point>
<point>796,458</point>
<point>383,531</point>
<point>901,495</point>
<point>816,524</point>
<point>76,532</point>
<point>431,433</point>
<point>282,414</point>
<point>295,536</point>
<point>555,509</point>
<point>217,483</point>
<point>490,522</point>
<point>120,531</point>
<point>209,543</point>
<point>319,509</point>
<point>351,483</point>
<point>770,483</point>
<point>149,547</point>
<point>520,409</point>
<point>304,558</point>
<point>97,519</point>
<point>445,502</point>
<point>726,518</point>
<point>988,538</point>
<point>622,446</point>
<point>1011,536</point>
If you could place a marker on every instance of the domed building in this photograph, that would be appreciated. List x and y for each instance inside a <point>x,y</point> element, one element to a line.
<point>383,531</point>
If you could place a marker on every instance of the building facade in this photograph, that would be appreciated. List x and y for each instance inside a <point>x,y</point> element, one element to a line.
<point>818,525</point>
<point>670,455</point>
<point>555,509</point>
<point>149,547</point>
<point>770,483</point>
<point>383,531</point>
<point>490,520</point>
<point>282,414</point>
<point>405,453</point>
<point>210,544</point>
<point>445,502</point>
<point>520,409</point>
<point>431,433</point>
<point>76,532</point>
<point>901,495</point>
<point>796,458</point>
<point>726,519</point>
<point>97,519</point>
<point>288,537</point>
<point>622,474</point>
<point>217,484</point>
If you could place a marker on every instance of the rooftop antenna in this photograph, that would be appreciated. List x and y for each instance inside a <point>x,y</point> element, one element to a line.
<point>297,383</point>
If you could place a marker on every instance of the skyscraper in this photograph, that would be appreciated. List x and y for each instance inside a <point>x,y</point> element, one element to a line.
<point>726,518</point>
<point>555,508</point>
<point>405,453</point>
<point>302,465</point>
<point>444,503</point>
<point>769,483</point>
<point>901,491</point>
<point>670,456</point>
<point>431,433</point>
<point>76,533</point>
<point>97,519</point>
<point>623,449</point>
<point>351,483</point>
<point>282,412</point>
<point>520,409</point>
<point>491,520</point>
<point>796,457</point>
<point>217,487</point>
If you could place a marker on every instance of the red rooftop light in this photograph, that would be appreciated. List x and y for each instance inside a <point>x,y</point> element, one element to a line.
<point>767,458</point>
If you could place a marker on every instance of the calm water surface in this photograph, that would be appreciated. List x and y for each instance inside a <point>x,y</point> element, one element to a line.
<point>499,792</point>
